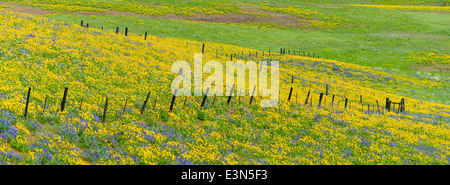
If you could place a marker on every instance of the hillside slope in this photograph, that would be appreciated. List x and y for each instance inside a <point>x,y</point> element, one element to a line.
<point>48,56</point>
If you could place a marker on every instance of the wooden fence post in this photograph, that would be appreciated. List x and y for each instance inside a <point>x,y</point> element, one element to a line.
<point>45,103</point>
<point>105,109</point>
<point>63,102</point>
<point>173,100</point>
<point>214,100</point>
<point>389,106</point>
<point>346,103</point>
<point>145,103</point>
<point>230,95</point>
<point>387,103</point>
<point>332,101</point>
<point>145,37</point>
<point>251,98</point>
<point>184,104</point>
<point>320,99</point>
<point>378,107</point>
<point>326,92</point>
<point>204,98</point>
<point>307,96</point>
<point>126,31</point>
<point>403,105</point>
<point>26,105</point>
<point>82,23</point>
<point>290,93</point>
<point>125,106</point>
<point>117,30</point>
<point>154,104</point>
<point>203,48</point>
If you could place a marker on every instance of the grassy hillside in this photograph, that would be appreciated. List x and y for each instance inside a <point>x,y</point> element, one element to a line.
<point>48,56</point>
<point>387,37</point>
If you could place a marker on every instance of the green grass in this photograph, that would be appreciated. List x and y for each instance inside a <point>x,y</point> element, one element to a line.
<point>373,37</point>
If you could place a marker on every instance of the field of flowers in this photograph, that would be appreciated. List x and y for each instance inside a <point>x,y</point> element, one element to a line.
<point>412,2</point>
<point>420,8</point>
<point>48,56</point>
<point>430,58</point>
<point>308,19</point>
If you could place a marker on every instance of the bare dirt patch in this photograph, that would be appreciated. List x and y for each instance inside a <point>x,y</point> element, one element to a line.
<point>442,68</point>
<point>25,9</point>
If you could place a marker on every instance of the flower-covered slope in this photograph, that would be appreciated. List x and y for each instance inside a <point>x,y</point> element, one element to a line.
<point>48,56</point>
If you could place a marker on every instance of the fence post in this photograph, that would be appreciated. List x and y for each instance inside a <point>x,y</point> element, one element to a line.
<point>292,88</point>
<point>214,100</point>
<point>105,109</point>
<point>389,106</point>
<point>173,100</point>
<point>378,107</point>
<point>154,104</point>
<point>346,103</point>
<point>230,95</point>
<point>125,106</point>
<point>320,99</point>
<point>126,31</point>
<point>45,104</point>
<point>290,93</point>
<point>145,37</point>
<point>307,96</point>
<point>326,92</point>
<point>63,102</point>
<point>203,48</point>
<point>145,103</point>
<point>387,103</point>
<point>403,105</point>
<point>204,98</point>
<point>253,93</point>
<point>117,30</point>
<point>28,100</point>
<point>332,101</point>
<point>82,23</point>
